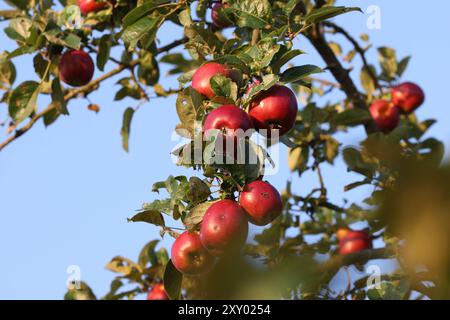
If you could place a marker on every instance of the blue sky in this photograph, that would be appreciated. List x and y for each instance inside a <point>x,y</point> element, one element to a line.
<point>66,191</point>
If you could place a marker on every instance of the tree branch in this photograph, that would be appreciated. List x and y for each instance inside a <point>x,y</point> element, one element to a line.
<point>317,39</point>
<point>83,90</point>
<point>332,266</point>
<point>358,49</point>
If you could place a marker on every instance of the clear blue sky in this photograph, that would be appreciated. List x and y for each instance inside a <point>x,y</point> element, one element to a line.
<point>66,191</point>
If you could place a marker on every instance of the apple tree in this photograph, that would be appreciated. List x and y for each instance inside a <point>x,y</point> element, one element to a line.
<point>239,70</point>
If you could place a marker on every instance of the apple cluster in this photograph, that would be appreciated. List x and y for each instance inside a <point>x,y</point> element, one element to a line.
<point>406,98</point>
<point>273,109</point>
<point>224,227</point>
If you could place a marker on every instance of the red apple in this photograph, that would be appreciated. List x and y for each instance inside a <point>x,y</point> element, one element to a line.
<point>228,119</point>
<point>218,21</point>
<point>262,202</point>
<point>354,241</point>
<point>224,228</point>
<point>157,293</point>
<point>87,6</point>
<point>189,256</point>
<point>408,96</point>
<point>76,68</point>
<point>202,77</point>
<point>275,108</point>
<point>385,115</point>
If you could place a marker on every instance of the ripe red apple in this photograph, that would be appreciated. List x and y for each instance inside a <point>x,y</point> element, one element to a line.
<point>408,96</point>
<point>157,293</point>
<point>224,228</point>
<point>275,108</point>
<point>354,241</point>
<point>202,77</point>
<point>76,68</point>
<point>87,6</point>
<point>189,256</point>
<point>228,119</point>
<point>217,20</point>
<point>385,115</point>
<point>262,202</point>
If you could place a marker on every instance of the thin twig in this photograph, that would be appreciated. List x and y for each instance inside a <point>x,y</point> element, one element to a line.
<point>358,49</point>
<point>255,37</point>
<point>317,39</point>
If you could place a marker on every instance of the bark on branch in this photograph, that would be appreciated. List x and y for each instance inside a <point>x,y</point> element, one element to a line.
<point>342,76</point>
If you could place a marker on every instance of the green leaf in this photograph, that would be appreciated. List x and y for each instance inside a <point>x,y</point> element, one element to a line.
<point>298,74</point>
<point>324,13</point>
<point>148,70</point>
<point>126,126</point>
<point>195,216</point>
<point>139,12</point>
<point>58,97</point>
<point>145,27</point>
<point>331,149</point>
<point>150,216</point>
<point>22,102</point>
<point>352,117</point>
<point>298,159</point>
<point>172,281</point>
<point>185,17</point>
<point>104,50</point>
<point>72,41</point>
<point>188,105</point>
<point>234,61</point>
<point>7,74</point>
<point>367,81</point>
<point>159,205</point>
<point>19,29</point>
<point>435,148</point>
<point>80,291</point>
<point>270,236</point>
<point>40,65</point>
<point>51,116</point>
<point>21,4</point>
<point>147,254</point>
<point>269,80</point>
<point>224,87</point>
<point>20,51</point>
<point>250,13</point>
<point>402,65</point>
<point>283,57</point>
<point>124,266</point>
<point>355,162</point>
<point>388,61</point>
<point>198,190</point>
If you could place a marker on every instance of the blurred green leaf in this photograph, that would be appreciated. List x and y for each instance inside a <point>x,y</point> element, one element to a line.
<point>172,281</point>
